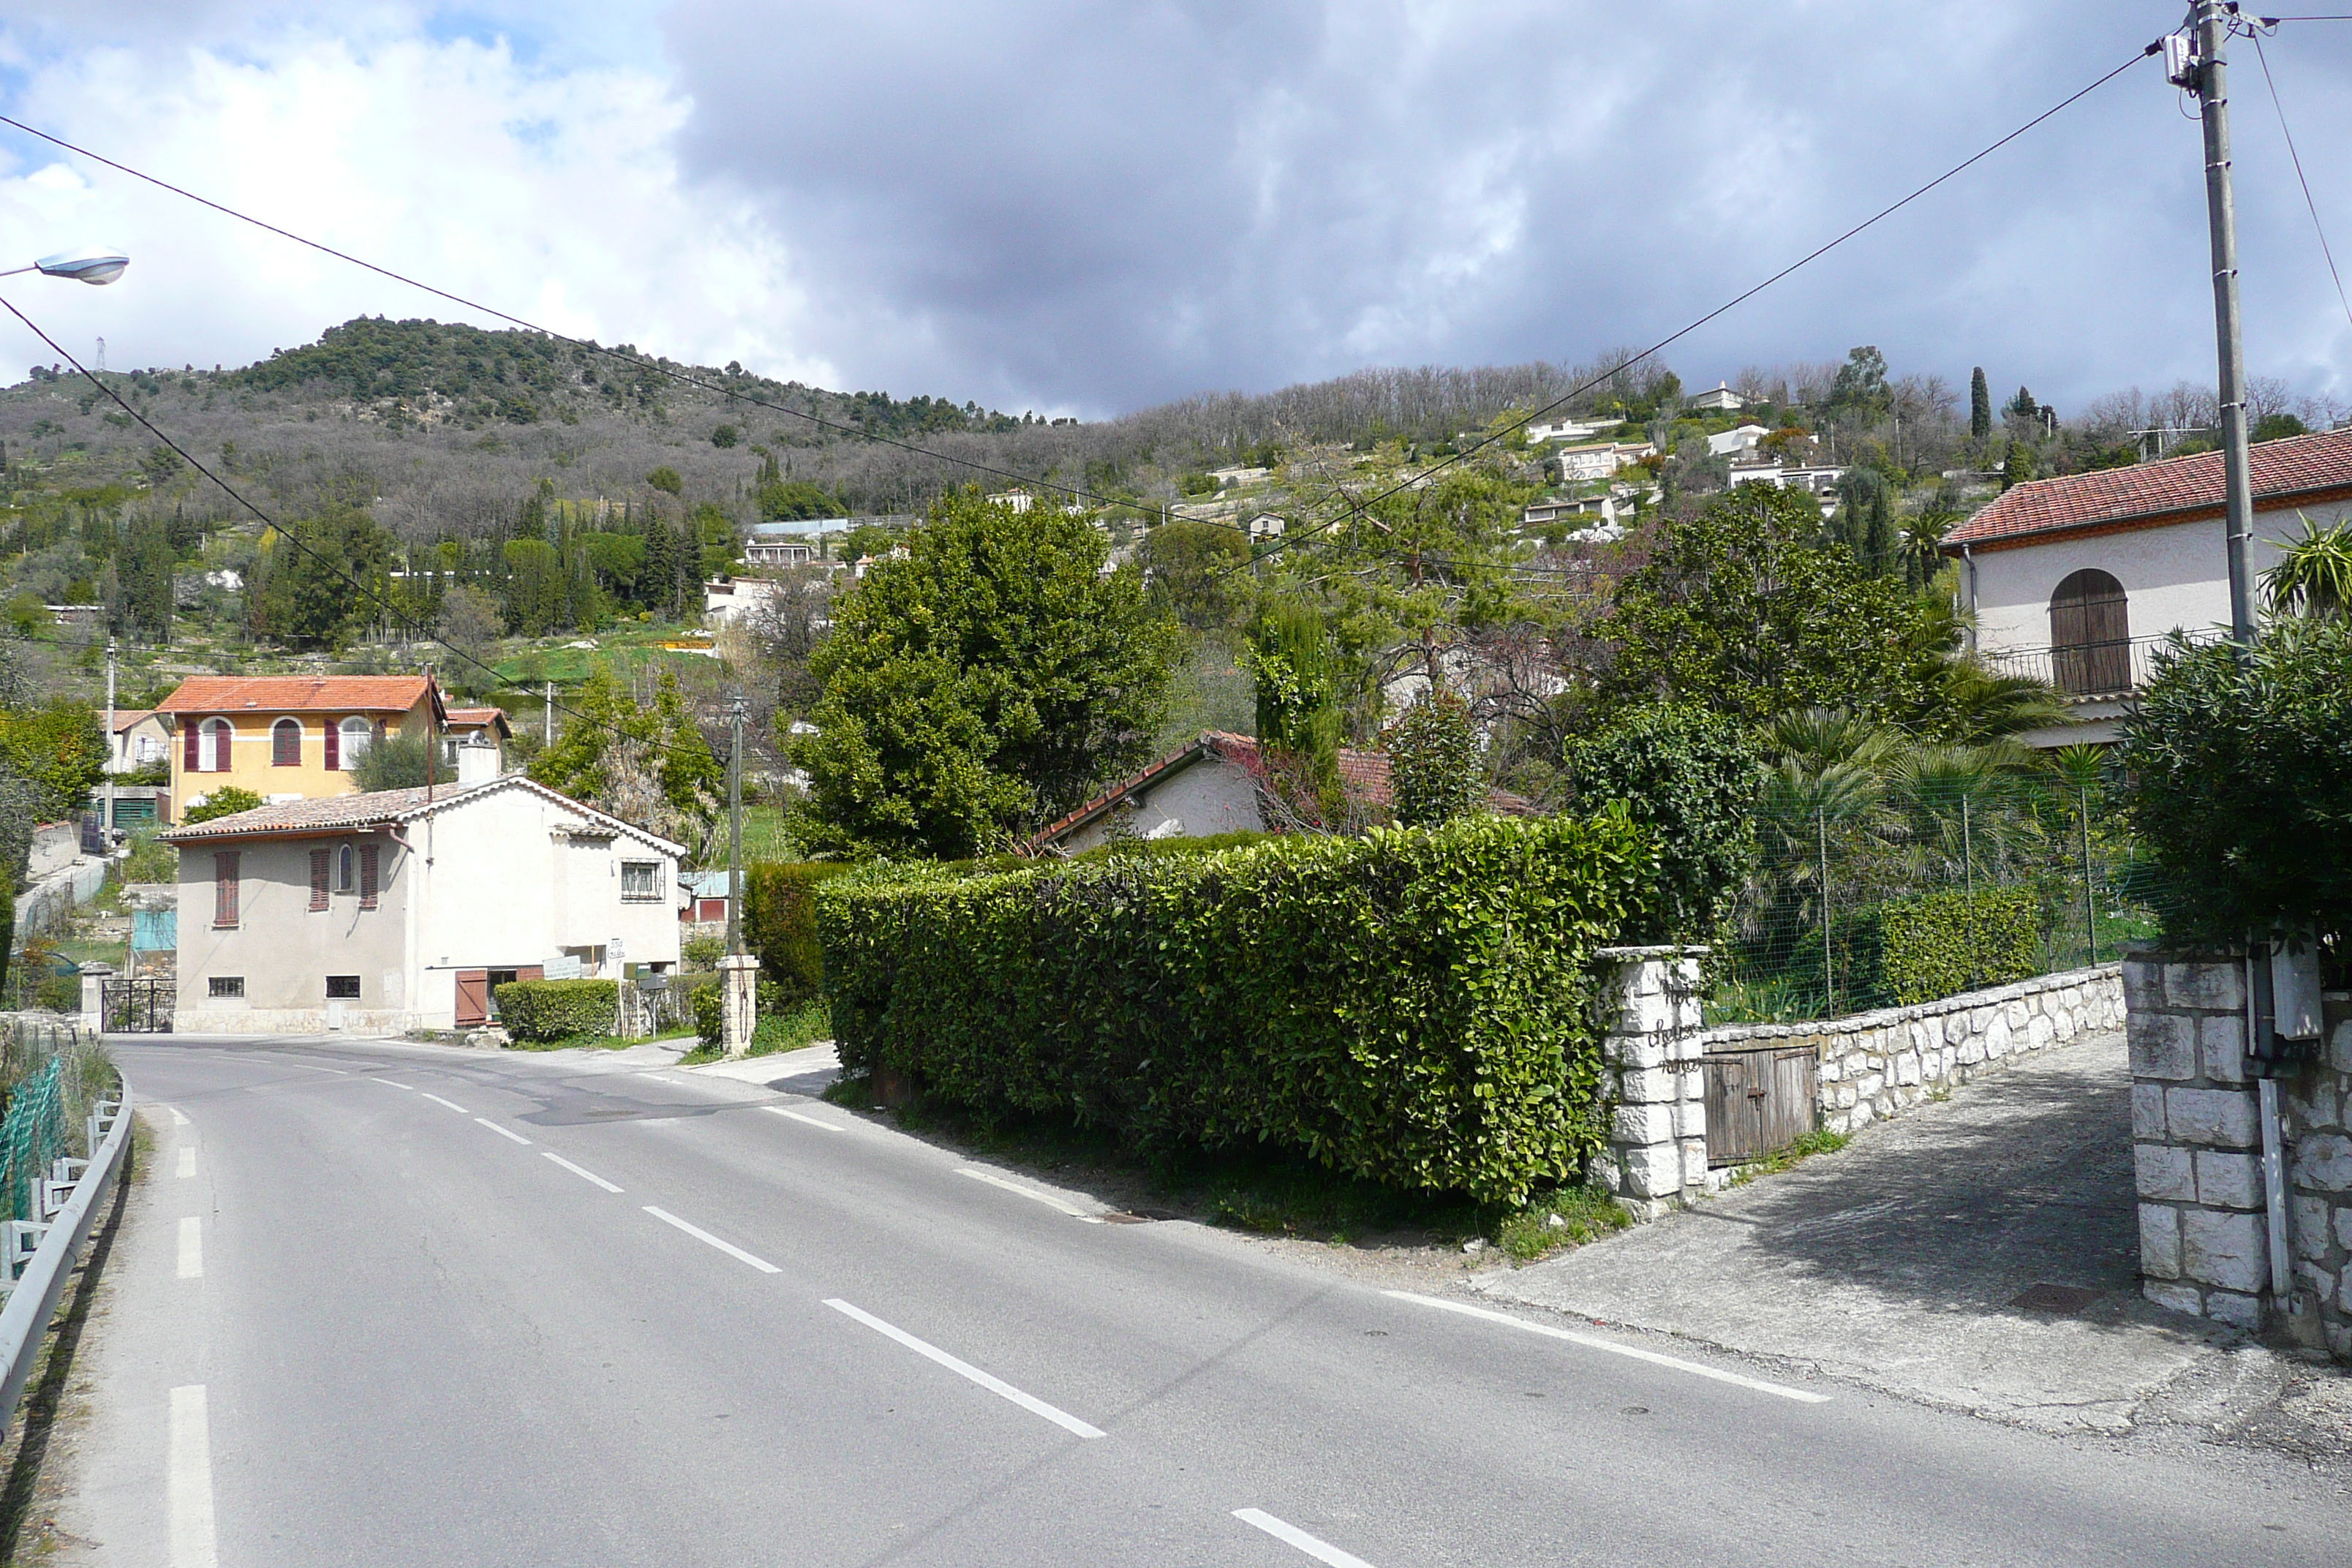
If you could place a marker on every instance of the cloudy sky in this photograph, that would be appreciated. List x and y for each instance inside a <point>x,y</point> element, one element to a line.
<point>1088,208</point>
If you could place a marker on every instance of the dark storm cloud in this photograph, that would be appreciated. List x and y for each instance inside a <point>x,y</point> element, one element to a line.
<point>1101,206</point>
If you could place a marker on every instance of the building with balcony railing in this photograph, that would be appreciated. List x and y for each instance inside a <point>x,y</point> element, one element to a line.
<point>2081,579</point>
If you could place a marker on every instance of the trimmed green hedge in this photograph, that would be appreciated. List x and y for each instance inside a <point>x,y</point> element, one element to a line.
<point>1949,942</point>
<point>543,1010</point>
<point>1411,1006</point>
<point>780,924</point>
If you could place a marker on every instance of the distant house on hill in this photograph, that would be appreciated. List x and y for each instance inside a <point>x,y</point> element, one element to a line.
<point>288,737</point>
<point>2078,579</point>
<point>1212,787</point>
<point>1722,400</point>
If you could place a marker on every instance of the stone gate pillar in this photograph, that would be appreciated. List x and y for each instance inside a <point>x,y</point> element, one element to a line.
<point>1652,1079</point>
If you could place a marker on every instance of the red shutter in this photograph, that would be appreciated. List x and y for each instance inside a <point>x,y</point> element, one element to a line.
<point>473,997</point>
<point>189,761</point>
<point>224,889</point>
<point>317,880</point>
<point>368,853</point>
<point>334,747</point>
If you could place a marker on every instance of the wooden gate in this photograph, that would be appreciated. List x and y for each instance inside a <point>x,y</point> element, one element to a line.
<point>1758,1099</point>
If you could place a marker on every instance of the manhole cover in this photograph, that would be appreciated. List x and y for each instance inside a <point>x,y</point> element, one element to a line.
<point>2055,1299</point>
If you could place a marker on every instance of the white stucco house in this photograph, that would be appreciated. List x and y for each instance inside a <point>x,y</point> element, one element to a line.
<point>1722,400</point>
<point>401,909</point>
<point>2078,579</point>
<point>1739,439</point>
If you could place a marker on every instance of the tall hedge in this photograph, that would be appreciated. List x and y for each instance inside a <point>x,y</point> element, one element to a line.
<point>1692,778</point>
<point>544,1010</point>
<point>1953,942</point>
<point>1414,1007</point>
<point>780,925</point>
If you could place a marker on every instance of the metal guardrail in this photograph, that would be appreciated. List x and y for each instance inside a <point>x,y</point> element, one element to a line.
<point>68,1202</point>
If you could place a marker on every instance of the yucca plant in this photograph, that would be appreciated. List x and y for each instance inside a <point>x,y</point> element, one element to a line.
<point>2313,575</point>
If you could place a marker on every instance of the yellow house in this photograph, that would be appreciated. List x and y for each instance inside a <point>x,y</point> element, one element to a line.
<point>287,737</point>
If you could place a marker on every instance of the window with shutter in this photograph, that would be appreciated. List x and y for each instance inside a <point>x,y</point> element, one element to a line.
<point>189,761</point>
<point>2090,634</point>
<point>368,853</point>
<point>317,880</point>
<point>224,889</point>
<point>334,735</point>
<point>213,756</point>
<point>286,744</point>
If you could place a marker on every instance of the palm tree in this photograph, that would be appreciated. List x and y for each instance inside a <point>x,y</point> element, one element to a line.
<point>2313,575</point>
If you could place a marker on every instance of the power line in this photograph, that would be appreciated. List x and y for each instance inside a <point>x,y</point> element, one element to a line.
<point>295,539</point>
<point>2297,158</point>
<point>1357,508</point>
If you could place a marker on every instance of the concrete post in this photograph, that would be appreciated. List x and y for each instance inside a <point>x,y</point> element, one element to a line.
<point>1652,1077</point>
<point>738,1001</point>
<point>94,976</point>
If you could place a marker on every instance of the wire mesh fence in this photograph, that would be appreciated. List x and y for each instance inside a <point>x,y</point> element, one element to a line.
<point>52,1076</point>
<point>1878,890</point>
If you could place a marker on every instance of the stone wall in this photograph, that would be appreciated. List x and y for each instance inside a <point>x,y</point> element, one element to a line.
<point>2197,1134</point>
<point>1874,1066</point>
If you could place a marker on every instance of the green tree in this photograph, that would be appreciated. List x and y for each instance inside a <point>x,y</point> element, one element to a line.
<point>866,539</point>
<point>1435,774</point>
<point>397,762</point>
<point>1859,391</point>
<point>1692,779</point>
<point>1738,611</point>
<point>990,681</point>
<point>1979,407</point>
<point>300,591</point>
<point>2314,574</point>
<point>60,748</point>
<point>2020,465</point>
<point>1195,571</point>
<point>225,801</point>
<point>646,763</point>
<point>726,436</point>
<point>1878,533</point>
<point>665,480</point>
<point>143,607</point>
<point>2278,428</point>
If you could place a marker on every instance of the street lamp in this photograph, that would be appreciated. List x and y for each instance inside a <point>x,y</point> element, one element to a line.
<point>93,265</point>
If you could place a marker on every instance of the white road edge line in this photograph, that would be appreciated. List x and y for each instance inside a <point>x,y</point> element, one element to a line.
<point>584,1174</point>
<point>1291,1535</point>
<point>812,1122</point>
<point>1778,1390</point>
<point>192,1248</point>
<point>1032,1194</point>
<point>1033,1404</point>
<point>189,1480</point>
<point>411,1088</point>
<point>188,1161</point>
<point>729,1248</point>
<point>502,1131</point>
<point>450,1103</point>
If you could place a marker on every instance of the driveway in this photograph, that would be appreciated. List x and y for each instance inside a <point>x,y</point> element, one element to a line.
<point>1981,1255</point>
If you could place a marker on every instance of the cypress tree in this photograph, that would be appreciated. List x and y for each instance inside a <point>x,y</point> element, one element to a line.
<point>1878,535</point>
<point>1979,407</point>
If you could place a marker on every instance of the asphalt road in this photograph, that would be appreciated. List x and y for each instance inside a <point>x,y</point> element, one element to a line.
<point>387,1304</point>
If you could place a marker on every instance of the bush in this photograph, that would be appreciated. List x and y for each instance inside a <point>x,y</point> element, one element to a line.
<point>1693,780</point>
<point>2238,781</point>
<point>225,801</point>
<point>150,861</point>
<point>543,1010</point>
<point>1413,1006</point>
<point>780,925</point>
<point>1953,942</point>
<point>1434,771</point>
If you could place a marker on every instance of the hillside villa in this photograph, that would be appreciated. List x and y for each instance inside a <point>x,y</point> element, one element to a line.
<point>287,737</point>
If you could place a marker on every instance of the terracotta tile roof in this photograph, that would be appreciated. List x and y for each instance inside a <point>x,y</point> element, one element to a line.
<point>124,718</point>
<point>479,717</point>
<point>297,694</point>
<point>382,808</point>
<point>1364,775</point>
<point>2153,494</point>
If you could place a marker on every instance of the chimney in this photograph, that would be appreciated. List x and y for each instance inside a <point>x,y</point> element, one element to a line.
<point>478,762</point>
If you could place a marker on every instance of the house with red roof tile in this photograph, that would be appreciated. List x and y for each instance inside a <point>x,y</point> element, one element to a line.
<point>287,737</point>
<point>2078,579</point>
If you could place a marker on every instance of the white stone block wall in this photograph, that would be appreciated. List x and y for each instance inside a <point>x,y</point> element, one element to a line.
<point>1652,1079</point>
<point>1877,1065</point>
<point>2315,1116</point>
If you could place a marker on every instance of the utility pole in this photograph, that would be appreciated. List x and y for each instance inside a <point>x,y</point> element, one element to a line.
<point>549,735</point>
<point>2207,72</point>
<point>112,741</point>
<point>735,825</point>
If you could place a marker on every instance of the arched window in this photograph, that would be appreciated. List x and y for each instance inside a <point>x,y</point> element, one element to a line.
<point>346,870</point>
<point>2090,634</point>
<point>214,737</point>
<point>357,736</point>
<point>286,744</point>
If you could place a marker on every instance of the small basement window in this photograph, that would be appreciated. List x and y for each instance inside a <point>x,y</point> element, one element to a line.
<point>343,988</point>
<point>227,985</point>
<point>641,881</point>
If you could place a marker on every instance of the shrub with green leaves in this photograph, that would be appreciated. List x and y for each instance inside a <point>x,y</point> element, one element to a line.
<point>1692,778</point>
<point>1435,771</point>
<point>1953,942</point>
<point>540,1010</point>
<point>225,801</point>
<point>1414,1007</point>
<point>780,925</point>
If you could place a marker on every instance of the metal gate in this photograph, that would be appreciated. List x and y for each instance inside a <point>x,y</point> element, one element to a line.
<point>136,1006</point>
<point>1757,1100</point>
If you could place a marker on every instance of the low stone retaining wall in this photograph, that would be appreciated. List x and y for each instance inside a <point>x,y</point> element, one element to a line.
<point>1875,1066</point>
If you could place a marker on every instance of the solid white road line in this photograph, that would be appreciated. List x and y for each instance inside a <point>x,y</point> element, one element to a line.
<point>188,1482</point>
<point>585,1175</point>
<point>408,1086</point>
<point>188,1161</point>
<point>451,1104</point>
<point>1035,1406</point>
<point>729,1248</point>
<point>178,1120</point>
<point>1781,1391</point>
<point>812,1121</point>
<point>502,1131</point>
<point>1291,1535</point>
<point>1032,1194</point>
<point>192,1248</point>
